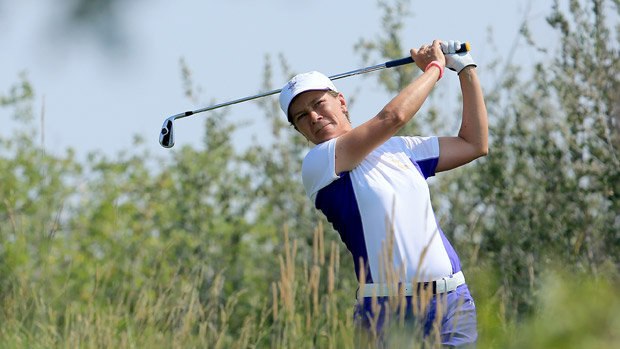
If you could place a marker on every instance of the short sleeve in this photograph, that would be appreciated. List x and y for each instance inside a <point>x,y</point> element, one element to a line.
<point>319,168</point>
<point>424,151</point>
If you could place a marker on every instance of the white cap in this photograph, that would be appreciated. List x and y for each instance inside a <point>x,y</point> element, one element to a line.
<point>311,81</point>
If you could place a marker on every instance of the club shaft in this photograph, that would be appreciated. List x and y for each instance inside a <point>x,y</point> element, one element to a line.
<point>166,136</point>
<point>389,64</point>
<point>216,106</point>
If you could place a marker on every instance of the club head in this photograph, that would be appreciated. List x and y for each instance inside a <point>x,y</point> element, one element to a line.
<point>166,137</point>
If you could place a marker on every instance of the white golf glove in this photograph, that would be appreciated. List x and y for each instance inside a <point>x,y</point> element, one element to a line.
<point>456,61</point>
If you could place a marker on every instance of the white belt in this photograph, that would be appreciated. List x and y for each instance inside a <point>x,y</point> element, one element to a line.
<point>443,285</point>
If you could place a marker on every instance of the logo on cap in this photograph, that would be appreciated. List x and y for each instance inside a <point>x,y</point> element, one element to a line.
<point>291,85</point>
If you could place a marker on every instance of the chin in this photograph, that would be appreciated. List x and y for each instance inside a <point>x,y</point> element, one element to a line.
<point>325,139</point>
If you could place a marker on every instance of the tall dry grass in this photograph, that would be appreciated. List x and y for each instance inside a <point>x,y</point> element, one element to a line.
<point>309,307</point>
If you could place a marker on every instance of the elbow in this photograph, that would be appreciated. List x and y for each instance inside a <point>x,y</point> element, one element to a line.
<point>481,152</point>
<point>396,119</point>
<point>478,150</point>
<point>481,147</point>
<point>484,151</point>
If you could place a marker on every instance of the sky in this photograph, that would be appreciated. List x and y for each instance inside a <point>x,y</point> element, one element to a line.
<point>98,98</point>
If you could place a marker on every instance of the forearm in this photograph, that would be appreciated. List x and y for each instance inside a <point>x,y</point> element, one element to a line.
<point>406,104</point>
<point>355,145</point>
<point>474,126</point>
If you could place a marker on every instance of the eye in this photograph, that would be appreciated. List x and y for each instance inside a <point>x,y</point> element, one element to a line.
<point>300,116</point>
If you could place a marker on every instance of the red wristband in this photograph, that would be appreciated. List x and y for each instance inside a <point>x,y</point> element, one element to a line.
<point>438,65</point>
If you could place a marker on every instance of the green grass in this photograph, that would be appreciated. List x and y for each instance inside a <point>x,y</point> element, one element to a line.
<point>309,306</point>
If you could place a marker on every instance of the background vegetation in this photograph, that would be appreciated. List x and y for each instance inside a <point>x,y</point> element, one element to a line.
<point>223,249</point>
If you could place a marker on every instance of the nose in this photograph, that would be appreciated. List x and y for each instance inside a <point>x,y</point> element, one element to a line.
<point>314,116</point>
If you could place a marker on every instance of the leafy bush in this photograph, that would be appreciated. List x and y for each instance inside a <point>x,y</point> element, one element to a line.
<point>223,249</point>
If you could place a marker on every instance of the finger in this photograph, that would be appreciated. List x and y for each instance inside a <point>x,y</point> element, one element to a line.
<point>444,47</point>
<point>451,46</point>
<point>457,45</point>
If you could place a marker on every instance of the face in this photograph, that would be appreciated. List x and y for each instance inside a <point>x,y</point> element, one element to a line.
<point>319,116</point>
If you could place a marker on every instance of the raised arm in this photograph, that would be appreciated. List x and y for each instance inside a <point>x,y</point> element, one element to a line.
<point>355,145</point>
<point>472,140</point>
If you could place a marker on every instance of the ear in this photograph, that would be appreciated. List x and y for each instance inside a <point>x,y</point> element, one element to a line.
<point>343,103</point>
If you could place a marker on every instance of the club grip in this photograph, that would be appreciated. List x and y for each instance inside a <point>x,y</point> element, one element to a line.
<point>402,61</point>
<point>464,48</point>
<point>397,62</point>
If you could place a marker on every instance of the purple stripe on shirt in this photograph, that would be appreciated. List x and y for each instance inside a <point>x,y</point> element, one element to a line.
<point>426,167</point>
<point>338,203</point>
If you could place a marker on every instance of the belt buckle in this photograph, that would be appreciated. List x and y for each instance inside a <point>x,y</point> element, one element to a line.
<point>442,285</point>
<point>451,283</point>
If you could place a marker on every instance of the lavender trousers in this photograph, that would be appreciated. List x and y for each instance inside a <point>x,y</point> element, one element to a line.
<point>449,318</point>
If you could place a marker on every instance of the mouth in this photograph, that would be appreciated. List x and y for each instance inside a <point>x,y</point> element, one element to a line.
<point>321,128</point>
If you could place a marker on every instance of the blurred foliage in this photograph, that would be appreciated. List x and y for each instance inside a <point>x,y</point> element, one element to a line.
<point>211,247</point>
<point>100,18</point>
<point>549,189</point>
<point>103,22</point>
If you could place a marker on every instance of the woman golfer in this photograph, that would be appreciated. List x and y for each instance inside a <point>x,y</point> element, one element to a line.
<point>372,187</point>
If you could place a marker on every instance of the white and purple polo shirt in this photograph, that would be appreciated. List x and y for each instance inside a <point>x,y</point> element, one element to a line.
<point>387,190</point>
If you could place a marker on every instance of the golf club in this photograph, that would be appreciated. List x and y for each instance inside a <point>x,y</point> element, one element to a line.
<point>166,137</point>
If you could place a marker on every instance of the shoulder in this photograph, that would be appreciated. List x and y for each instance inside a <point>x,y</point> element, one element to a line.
<point>319,167</point>
<point>418,147</point>
<point>319,154</point>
